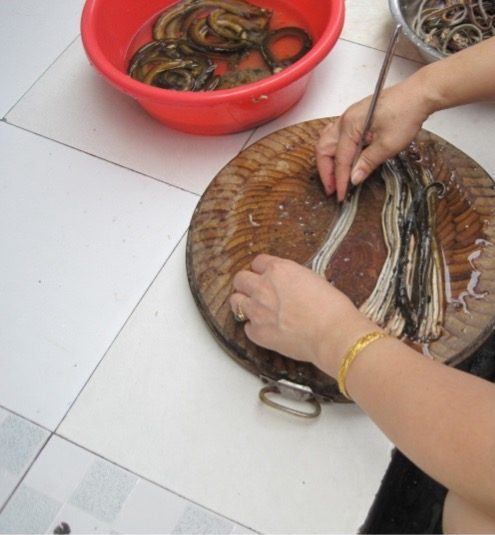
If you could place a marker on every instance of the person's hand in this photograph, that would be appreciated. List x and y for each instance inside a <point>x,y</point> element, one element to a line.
<point>398,117</point>
<point>296,312</point>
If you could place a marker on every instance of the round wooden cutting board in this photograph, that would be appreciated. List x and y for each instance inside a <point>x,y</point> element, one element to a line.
<point>269,199</point>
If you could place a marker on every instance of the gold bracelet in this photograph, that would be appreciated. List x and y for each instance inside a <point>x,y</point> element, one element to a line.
<point>356,348</point>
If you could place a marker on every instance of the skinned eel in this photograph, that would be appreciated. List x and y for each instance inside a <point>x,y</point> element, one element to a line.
<point>408,298</point>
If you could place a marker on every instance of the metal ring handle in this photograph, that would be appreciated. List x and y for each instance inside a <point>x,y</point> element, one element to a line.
<point>284,408</point>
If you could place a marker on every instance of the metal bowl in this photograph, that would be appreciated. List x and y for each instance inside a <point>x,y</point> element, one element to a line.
<point>404,12</point>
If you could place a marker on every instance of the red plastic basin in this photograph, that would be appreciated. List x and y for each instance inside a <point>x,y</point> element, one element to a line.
<point>113,29</point>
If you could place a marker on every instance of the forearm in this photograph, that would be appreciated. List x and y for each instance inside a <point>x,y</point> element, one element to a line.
<point>465,77</point>
<point>441,418</point>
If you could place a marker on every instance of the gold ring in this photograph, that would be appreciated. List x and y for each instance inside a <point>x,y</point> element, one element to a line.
<point>239,314</point>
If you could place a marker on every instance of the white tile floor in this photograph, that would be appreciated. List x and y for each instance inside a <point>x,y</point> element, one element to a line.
<point>118,411</point>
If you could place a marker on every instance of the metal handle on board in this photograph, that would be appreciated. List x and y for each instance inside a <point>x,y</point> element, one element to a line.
<point>287,389</point>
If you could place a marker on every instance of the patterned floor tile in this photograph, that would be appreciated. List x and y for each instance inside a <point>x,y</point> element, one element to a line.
<point>20,442</point>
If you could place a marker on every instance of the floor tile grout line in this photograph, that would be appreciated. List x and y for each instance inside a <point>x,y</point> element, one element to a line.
<point>81,151</point>
<point>106,459</point>
<point>119,331</point>
<point>19,415</point>
<point>248,140</point>
<point>26,471</point>
<point>55,432</point>
<point>380,50</point>
<point>4,118</point>
<point>145,175</point>
<point>61,436</point>
<point>40,76</point>
<point>146,479</point>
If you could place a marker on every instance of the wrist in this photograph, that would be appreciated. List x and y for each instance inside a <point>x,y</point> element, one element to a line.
<point>424,91</point>
<point>355,350</point>
<point>339,339</point>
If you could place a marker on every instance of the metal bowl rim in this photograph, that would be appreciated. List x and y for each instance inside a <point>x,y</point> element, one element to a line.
<point>396,7</point>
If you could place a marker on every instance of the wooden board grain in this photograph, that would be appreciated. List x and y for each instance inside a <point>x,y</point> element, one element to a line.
<point>269,199</point>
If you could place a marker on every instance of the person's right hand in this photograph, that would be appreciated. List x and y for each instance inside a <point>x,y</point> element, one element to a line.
<point>398,117</point>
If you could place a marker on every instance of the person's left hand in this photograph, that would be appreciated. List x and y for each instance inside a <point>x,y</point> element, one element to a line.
<point>294,311</point>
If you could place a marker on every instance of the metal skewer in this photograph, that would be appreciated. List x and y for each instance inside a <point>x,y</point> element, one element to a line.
<point>374,99</point>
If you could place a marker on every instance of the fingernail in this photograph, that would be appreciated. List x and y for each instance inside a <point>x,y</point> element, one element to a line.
<point>357,177</point>
<point>329,185</point>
